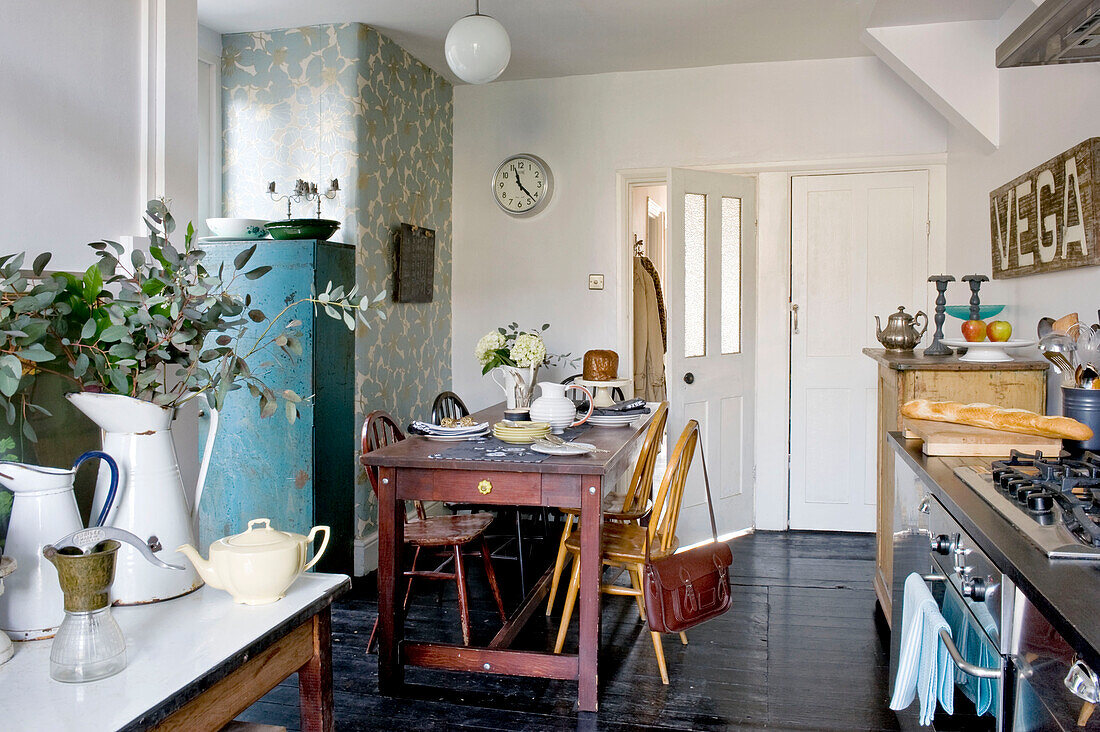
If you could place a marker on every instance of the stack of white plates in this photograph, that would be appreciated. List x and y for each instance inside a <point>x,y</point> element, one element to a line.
<point>613,420</point>
<point>523,433</point>
<point>453,434</point>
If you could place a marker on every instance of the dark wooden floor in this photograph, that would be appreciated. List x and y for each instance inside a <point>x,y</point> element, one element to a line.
<point>799,650</point>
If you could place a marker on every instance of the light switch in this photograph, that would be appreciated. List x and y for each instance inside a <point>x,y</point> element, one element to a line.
<point>595,282</point>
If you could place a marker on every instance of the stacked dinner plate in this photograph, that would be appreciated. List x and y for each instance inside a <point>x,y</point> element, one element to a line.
<point>614,420</point>
<point>521,433</point>
<point>453,434</point>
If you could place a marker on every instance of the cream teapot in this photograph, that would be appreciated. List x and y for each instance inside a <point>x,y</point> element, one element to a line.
<point>256,567</point>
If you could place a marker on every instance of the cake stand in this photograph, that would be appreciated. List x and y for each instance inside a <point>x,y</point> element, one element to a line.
<point>987,351</point>
<point>7,566</point>
<point>601,390</point>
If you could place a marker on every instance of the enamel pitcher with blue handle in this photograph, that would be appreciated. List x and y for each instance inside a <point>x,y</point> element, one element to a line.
<point>43,510</point>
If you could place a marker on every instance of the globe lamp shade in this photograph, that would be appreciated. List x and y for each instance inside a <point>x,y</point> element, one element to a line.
<point>477,49</point>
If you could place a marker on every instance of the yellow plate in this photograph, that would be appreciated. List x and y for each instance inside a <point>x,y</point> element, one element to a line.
<point>527,427</point>
<point>515,437</point>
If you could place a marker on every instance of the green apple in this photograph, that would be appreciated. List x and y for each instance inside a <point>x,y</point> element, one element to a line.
<point>999,330</point>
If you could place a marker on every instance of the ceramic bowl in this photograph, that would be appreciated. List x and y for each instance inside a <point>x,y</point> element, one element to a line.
<point>320,229</point>
<point>239,228</point>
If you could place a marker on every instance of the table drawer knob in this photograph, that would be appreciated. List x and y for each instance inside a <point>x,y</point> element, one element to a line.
<point>485,487</point>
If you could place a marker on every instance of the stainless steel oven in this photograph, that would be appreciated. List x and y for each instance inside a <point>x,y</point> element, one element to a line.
<point>928,541</point>
<point>1053,687</point>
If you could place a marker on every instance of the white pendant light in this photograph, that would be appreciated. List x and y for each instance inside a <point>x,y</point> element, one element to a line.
<point>477,48</point>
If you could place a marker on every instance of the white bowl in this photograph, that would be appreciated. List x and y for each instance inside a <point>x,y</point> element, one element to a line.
<point>239,228</point>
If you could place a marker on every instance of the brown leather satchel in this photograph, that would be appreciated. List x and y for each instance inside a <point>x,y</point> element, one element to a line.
<point>685,589</point>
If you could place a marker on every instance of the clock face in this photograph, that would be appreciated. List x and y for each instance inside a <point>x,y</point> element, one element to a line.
<point>522,185</point>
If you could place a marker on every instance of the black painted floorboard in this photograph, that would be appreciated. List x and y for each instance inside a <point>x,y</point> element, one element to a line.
<point>799,650</point>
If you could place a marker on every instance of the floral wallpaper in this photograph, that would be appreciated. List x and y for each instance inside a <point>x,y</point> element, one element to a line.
<point>344,101</point>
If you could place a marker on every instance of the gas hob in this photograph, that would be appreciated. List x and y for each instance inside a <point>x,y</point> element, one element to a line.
<point>1054,501</point>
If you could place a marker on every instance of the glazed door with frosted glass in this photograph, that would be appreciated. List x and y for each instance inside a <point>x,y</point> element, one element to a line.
<point>711,254</point>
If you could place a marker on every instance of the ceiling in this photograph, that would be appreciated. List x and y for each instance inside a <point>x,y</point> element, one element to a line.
<point>565,37</point>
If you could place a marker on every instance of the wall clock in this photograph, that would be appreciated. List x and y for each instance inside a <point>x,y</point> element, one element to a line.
<point>523,184</point>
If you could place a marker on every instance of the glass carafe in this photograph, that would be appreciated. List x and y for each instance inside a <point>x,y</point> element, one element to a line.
<point>88,646</point>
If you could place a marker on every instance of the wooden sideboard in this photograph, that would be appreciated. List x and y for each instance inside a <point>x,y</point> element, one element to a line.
<point>904,376</point>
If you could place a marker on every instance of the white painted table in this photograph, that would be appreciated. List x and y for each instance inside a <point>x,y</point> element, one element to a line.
<point>195,663</point>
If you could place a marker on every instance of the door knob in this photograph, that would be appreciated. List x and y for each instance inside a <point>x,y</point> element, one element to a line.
<point>689,378</point>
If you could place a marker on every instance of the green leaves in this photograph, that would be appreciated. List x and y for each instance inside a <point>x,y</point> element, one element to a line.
<point>257,273</point>
<point>40,263</point>
<point>242,258</point>
<point>93,283</point>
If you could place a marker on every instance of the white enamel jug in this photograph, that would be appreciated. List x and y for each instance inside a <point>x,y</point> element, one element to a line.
<point>556,408</point>
<point>152,501</point>
<point>43,510</point>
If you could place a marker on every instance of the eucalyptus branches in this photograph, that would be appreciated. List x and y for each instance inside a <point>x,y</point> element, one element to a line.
<point>160,327</point>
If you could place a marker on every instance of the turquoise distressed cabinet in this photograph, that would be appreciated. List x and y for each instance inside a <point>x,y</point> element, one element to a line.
<point>302,474</point>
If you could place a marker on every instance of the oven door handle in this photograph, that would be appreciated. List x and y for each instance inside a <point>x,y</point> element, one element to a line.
<point>967,668</point>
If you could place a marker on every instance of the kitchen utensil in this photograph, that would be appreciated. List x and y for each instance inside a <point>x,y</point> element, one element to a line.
<point>320,229</point>
<point>89,645</point>
<point>1045,326</point>
<point>556,408</point>
<point>900,333</point>
<point>1062,366</point>
<point>257,566</point>
<point>86,539</point>
<point>43,508</point>
<point>566,450</point>
<point>152,499</point>
<point>1087,376</point>
<point>238,228</point>
<point>938,348</point>
<point>987,351</point>
<point>518,384</point>
<point>555,440</point>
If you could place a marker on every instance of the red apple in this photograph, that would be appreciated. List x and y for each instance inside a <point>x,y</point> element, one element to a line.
<point>999,330</point>
<point>974,330</point>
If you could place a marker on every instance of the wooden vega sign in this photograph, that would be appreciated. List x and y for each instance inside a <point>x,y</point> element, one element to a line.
<point>1049,218</point>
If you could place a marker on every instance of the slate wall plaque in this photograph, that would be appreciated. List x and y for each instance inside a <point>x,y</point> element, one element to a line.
<point>415,279</point>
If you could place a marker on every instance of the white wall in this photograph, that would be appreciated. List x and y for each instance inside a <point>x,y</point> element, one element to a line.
<point>1044,111</point>
<point>69,125</point>
<point>588,127</point>
<point>71,131</point>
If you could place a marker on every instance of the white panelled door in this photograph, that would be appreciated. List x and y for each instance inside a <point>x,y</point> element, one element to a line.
<point>859,248</point>
<point>711,255</point>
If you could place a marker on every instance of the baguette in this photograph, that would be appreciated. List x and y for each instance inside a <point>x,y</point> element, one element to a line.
<point>997,418</point>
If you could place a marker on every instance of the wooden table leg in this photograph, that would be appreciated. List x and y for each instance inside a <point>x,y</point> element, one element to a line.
<point>315,679</point>
<point>391,527</point>
<point>589,591</point>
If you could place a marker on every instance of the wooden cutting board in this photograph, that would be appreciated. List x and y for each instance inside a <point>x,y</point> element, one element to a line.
<point>961,440</point>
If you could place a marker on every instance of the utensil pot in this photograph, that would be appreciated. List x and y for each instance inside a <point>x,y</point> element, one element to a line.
<point>1084,406</point>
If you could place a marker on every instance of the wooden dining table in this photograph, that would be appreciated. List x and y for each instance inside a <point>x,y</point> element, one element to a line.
<point>416,468</point>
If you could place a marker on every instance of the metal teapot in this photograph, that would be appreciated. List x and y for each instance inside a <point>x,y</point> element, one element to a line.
<point>901,333</point>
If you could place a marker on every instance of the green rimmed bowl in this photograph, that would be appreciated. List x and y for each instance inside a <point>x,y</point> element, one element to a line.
<point>320,229</point>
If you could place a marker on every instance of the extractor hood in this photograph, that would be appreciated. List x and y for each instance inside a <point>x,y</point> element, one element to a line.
<point>1058,32</point>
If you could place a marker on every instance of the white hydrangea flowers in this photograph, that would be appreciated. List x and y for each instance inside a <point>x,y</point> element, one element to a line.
<point>528,350</point>
<point>489,342</point>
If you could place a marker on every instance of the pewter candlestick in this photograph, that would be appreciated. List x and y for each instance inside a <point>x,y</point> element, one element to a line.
<point>938,348</point>
<point>975,281</point>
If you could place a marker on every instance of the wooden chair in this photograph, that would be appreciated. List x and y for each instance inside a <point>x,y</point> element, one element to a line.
<point>634,503</point>
<point>447,533</point>
<point>623,545</point>
<point>448,404</point>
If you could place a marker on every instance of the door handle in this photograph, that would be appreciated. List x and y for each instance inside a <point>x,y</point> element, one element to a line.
<point>689,378</point>
<point>794,317</point>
